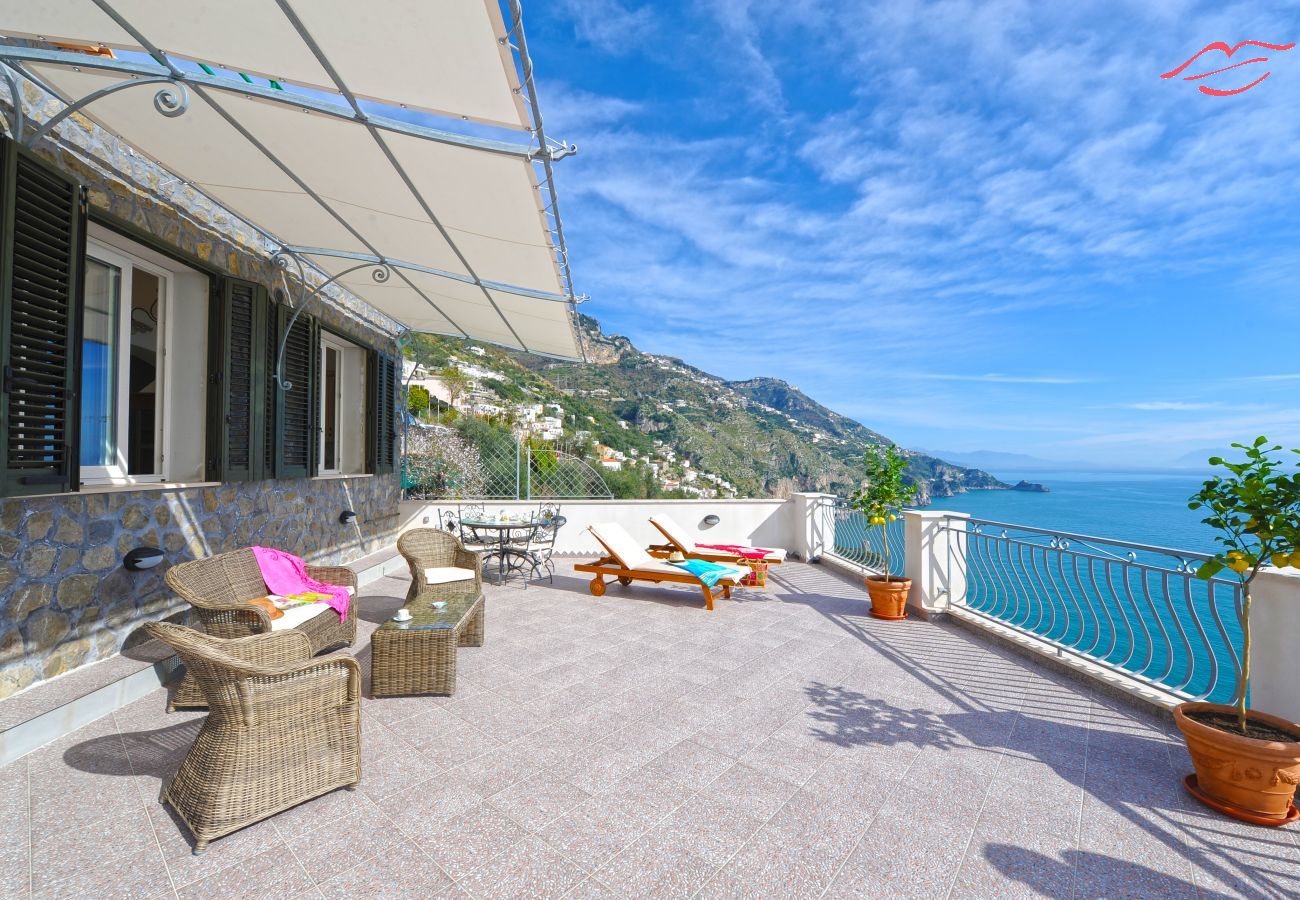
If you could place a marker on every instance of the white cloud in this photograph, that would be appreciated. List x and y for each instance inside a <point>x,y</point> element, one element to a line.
<point>997,378</point>
<point>609,25</point>
<point>1169,406</point>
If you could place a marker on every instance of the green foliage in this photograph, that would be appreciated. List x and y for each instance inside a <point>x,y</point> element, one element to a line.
<point>885,492</point>
<point>1255,510</point>
<point>417,400</point>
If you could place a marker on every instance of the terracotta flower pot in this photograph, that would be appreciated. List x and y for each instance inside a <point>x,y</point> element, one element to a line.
<point>888,598</point>
<point>1247,778</point>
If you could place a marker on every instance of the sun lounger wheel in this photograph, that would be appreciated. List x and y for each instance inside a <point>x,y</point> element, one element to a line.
<point>598,587</point>
<point>624,580</point>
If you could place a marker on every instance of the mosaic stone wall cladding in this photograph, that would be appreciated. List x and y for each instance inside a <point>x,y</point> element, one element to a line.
<point>65,599</point>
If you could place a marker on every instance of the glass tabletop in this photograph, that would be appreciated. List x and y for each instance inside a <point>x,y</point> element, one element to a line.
<point>457,600</point>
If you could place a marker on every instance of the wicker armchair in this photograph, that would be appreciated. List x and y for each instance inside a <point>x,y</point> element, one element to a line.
<point>219,588</point>
<point>282,727</point>
<point>430,548</point>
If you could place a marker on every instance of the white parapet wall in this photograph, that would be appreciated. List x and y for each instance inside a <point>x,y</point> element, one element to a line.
<point>1275,643</point>
<point>795,525</point>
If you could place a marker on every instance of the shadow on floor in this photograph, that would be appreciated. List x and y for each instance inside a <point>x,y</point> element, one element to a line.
<point>1129,769</point>
<point>1107,876</point>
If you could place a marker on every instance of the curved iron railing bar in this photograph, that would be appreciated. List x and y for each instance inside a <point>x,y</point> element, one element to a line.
<point>1182,634</point>
<point>1047,603</point>
<point>19,122</point>
<point>1189,596</point>
<point>980,593</point>
<point>1160,626</point>
<point>1017,574</point>
<point>73,59</point>
<point>1130,561</point>
<point>167,103</point>
<point>428,270</point>
<point>282,261</point>
<point>1111,631</point>
<point>1006,580</point>
<point>397,167</point>
<point>1223,630</point>
<point>162,59</point>
<point>1091,541</point>
<point>1137,614</point>
<point>1069,581</point>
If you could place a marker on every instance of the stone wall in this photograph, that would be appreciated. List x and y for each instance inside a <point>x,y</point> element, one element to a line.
<point>65,599</point>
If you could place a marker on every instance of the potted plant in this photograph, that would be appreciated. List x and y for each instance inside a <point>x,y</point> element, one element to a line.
<point>1247,762</point>
<point>879,501</point>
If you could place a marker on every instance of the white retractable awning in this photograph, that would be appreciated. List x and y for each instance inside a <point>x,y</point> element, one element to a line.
<point>464,225</point>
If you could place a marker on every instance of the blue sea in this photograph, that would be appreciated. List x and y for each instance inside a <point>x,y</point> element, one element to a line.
<point>1141,507</point>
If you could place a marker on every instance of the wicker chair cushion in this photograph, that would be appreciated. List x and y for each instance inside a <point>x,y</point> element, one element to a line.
<point>296,615</point>
<point>446,574</point>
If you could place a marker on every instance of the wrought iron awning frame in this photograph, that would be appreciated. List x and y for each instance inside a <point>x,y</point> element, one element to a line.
<point>173,100</point>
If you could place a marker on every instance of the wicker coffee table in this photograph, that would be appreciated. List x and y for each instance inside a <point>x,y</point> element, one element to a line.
<point>418,656</point>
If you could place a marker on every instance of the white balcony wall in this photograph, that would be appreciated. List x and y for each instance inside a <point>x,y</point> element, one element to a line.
<point>761,523</point>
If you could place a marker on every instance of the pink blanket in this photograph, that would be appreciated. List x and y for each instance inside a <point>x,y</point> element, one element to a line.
<point>286,574</point>
<point>737,550</point>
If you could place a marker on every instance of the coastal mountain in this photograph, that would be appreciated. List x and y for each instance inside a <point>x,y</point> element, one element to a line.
<point>761,436</point>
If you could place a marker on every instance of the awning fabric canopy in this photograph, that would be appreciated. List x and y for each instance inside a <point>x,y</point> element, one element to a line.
<point>461,221</point>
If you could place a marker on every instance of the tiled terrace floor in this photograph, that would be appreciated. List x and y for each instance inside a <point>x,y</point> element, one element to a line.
<point>634,745</point>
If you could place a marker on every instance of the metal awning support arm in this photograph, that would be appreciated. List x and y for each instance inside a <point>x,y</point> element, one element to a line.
<point>284,259</point>
<point>371,259</point>
<point>135,71</point>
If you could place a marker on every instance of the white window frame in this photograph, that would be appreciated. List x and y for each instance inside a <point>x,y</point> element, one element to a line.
<point>127,263</point>
<point>340,347</point>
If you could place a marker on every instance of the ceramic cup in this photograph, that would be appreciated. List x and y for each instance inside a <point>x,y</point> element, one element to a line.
<point>403,615</point>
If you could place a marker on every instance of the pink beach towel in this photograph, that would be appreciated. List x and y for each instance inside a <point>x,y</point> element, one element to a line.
<point>737,550</point>
<point>286,574</point>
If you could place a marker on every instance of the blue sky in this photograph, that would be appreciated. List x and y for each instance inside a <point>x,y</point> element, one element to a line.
<point>971,224</point>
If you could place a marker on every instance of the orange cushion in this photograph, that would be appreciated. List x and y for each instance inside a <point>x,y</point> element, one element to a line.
<point>266,604</point>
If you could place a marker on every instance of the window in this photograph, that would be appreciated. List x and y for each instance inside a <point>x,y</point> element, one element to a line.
<point>143,327</point>
<point>342,389</point>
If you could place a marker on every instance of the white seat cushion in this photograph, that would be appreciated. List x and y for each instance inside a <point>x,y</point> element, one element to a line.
<point>447,574</point>
<point>296,615</point>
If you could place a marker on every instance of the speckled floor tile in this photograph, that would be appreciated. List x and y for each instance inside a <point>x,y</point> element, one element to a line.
<point>271,874</point>
<point>401,872</point>
<point>537,801</point>
<point>529,869</point>
<point>472,840</point>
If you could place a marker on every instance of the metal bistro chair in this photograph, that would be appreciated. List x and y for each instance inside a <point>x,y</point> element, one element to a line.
<point>541,547</point>
<point>470,538</point>
<point>282,727</point>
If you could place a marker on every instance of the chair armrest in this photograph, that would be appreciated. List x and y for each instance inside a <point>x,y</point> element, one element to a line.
<point>287,691</point>
<point>232,620</point>
<point>468,560</point>
<point>340,575</point>
<point>269,652</point>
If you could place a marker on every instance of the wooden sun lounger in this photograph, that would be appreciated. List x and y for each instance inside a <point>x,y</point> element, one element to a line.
<point>627,562</point>
<point>673,534</point>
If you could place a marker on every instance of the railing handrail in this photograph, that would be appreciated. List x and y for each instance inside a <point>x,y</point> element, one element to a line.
<point>1086,538</point>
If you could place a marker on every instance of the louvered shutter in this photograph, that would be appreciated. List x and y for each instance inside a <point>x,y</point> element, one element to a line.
<point>270,389</point>
<point>42,237</point>
<point>297,437</point>
<point>243,396</point>
<point>382,377</point>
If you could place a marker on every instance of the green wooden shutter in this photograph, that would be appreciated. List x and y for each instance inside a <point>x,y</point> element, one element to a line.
<point>243,355</point>
<point>42,254</point>
<point>296,416</point>
<point>270,389</point>
<point>382,374</point>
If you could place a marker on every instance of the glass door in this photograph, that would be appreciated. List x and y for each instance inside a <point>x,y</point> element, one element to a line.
<point>99,365</point>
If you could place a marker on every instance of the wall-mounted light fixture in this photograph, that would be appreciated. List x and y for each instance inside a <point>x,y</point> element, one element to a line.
<point>710,521</point>
<point>142,558</point>
<point>347,517</point>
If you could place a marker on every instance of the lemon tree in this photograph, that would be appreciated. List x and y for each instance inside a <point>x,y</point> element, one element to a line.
<point>884,491</point>
<point>1254,507</point>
